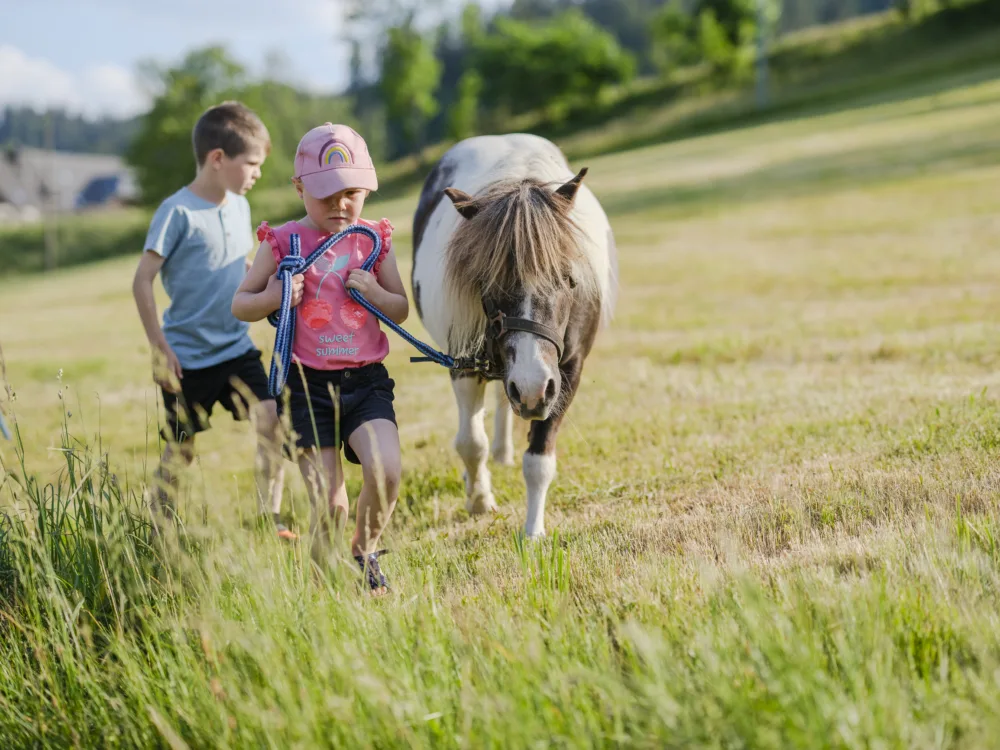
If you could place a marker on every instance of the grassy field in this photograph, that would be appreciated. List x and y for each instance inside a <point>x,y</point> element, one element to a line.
<point>775,523</point>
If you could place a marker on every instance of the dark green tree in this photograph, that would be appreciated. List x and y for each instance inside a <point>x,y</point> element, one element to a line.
<point>549,66</point>
<point>410,76</point>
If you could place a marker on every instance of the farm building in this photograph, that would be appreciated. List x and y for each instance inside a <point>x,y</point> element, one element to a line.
<point>33,181</point>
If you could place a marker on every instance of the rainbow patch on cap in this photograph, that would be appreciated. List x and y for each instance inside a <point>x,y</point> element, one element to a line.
<point>333,152</point>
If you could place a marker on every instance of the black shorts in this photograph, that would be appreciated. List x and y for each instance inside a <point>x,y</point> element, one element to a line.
<point>188,412</point>
<point>364,393</point>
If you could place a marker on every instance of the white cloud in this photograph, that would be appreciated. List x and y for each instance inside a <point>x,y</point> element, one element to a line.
<point>93,90</point>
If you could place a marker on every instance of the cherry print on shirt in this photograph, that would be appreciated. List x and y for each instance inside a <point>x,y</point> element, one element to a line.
<point>318,313</point>
<point>352,314</point>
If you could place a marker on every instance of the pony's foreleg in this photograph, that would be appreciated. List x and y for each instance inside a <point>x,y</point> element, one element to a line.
<point>539,467</point>
<point>472,443</point>
<point>503,430</point>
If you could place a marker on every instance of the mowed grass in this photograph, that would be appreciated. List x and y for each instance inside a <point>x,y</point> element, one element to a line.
<point>775,522</point>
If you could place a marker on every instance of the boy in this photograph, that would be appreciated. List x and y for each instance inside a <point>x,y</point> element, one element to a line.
<point>199,240</point>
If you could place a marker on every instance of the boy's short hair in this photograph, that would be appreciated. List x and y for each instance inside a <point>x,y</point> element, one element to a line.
<point>231,126</point>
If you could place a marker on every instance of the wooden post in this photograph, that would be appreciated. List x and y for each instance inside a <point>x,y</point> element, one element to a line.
<point>49,204</point>
<point>762,92</point>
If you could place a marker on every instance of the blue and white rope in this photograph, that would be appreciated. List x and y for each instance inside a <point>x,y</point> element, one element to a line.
<point>283,319</point>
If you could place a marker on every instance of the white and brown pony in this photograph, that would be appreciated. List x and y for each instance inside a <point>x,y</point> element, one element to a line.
<point>504,226</point>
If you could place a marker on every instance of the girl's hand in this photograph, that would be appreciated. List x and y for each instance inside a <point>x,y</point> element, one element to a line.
<point>273,290</point>
<point>364,282</point>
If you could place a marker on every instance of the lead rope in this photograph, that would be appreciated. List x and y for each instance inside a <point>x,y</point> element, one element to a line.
<point>283,319</point>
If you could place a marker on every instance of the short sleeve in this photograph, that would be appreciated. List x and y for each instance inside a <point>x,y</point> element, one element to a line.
<point>166,230</point>
<point>266,234</point>
<point>384,228</point>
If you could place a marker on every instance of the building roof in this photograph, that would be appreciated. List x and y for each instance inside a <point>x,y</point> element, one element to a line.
<point>31,176</point>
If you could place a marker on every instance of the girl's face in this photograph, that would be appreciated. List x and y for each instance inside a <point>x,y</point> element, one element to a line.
<point>335,213</point>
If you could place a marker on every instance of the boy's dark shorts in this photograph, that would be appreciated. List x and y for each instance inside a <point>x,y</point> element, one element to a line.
<point>188,412</point>
<point>365,394</point>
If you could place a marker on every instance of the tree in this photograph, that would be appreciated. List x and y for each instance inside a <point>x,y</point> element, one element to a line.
<point>464,113</point>
<point>549,66</point>
<point>729,15</point>
<point>367,24</point>
<point>727,60</point>
<point>410,75</point>
<point>738,19</point>
<point>628,21</point>
<point>721,33</point>
<point>162,153</point>
<point>676,38</point>
<point>471,25</point>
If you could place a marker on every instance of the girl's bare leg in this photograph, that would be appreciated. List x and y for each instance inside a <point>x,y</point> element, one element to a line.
<point>324,478</point>
<point>376,444</point>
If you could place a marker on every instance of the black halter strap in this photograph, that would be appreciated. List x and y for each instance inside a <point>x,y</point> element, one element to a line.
<point>498,325</point>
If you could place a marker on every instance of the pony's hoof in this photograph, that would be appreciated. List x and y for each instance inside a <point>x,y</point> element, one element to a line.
<point>534,535</point>
<point>503,457</point>
<point>480,503</point>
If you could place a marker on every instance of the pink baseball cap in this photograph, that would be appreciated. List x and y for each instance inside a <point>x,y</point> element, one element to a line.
<point>331,158</point>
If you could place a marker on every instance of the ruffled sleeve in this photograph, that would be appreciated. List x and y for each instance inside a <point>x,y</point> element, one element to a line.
<point>384,228</point>
<point>265,233</point>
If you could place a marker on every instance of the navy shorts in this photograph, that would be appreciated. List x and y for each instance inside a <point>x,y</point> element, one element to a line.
<point>188,412</point>
<point>362,394</point>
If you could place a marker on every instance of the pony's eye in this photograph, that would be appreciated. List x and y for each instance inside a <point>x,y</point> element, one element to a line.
<point>571,281</point>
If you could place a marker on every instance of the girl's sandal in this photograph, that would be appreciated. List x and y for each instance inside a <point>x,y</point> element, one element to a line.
<point>377,585</point>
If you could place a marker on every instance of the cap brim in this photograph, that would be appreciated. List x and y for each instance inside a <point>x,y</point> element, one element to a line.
<point>329,181</point>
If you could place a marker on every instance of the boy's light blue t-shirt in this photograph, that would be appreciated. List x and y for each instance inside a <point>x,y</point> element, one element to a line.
<point>204,247</point>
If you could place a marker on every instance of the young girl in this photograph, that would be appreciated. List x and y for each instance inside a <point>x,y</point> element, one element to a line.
<point>337,389</point>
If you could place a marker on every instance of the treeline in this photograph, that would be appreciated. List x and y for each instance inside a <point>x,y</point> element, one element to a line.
<point>23,126</point>
<point>554,57</point>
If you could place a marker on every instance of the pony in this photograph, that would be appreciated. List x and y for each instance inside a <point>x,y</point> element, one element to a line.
<point>514,264</point>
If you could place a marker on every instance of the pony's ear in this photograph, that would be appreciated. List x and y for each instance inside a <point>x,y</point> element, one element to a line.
<point>568,191</point>
<point>465,204</point>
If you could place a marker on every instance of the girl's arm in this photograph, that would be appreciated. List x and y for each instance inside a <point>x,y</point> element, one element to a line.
<point>260,293</point>
<point>386,292</point>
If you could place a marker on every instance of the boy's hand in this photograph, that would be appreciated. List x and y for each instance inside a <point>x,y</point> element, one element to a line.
<point>273,290</point>
<point>364,282</point>
<point>167,369</point>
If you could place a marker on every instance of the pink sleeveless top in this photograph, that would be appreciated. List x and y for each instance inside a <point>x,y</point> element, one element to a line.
<point>333,332</point>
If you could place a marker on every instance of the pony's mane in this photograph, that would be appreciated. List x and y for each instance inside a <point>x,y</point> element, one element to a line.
<point>521,240</point>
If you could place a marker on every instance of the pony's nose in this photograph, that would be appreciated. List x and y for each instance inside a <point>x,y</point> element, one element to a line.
<point>514,394</point>
<point>532,403</point>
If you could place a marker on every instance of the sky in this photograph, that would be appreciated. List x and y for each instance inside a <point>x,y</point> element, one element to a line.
<point>82,54</point>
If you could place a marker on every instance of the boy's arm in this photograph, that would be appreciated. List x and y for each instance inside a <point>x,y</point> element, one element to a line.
<point>166,367</point>
<point>260,293</point>
<point>386,292</point>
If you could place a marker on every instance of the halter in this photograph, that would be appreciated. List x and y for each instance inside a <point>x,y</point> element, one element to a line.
<point>498,324</point>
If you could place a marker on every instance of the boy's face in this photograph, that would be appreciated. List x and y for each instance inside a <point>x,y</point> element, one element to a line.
<point>240,173</point>
<point>336,212</point>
